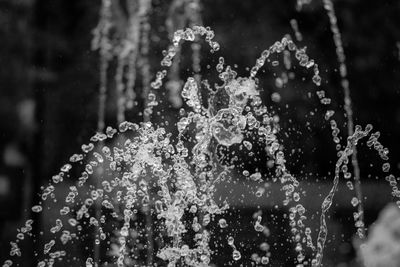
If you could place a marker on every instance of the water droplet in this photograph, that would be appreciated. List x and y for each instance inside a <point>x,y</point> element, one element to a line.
<point>386,167</point>
<point>236,255</point>
<point>87,148</point>
<point>264,260</point>
<point>222,223</point>
<point>276,97</point>
<point>354,201</point>
<point>37,208</point>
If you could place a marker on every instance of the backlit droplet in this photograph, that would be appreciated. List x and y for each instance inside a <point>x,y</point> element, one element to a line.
<point>354,201</point>
<point>236,255</point>
<point>386,167</point>
<point>37,208</point>
<point>222,223</point>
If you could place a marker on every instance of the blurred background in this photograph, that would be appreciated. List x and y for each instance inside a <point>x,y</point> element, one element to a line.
<point>49,79</point>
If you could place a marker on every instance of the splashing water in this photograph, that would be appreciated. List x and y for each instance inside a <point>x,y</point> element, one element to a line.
<point>143,169</point>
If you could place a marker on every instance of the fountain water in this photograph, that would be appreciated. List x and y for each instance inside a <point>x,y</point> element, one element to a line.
<point>329,7</point>
<point>143,169</point>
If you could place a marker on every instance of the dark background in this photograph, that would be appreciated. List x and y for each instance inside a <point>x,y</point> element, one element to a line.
<point>49,90</point>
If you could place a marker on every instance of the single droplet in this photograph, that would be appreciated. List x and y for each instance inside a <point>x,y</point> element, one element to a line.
<point>89,262</point>
<point>317,80</point>
<point>275,63</point>
<point>222,223</point>
<point>276,97</point>
<point>354,201</point>
<point>248,145</point>
<point>296,197</point>
<point>236,255</point>
<point>76,158</point>
<point>37,208</point>
<point>386,167</point>
<point>87,148</point>
<point>258,227</point>
<point>264,260</point>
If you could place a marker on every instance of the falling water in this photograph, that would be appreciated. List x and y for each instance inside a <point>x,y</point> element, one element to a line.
<point>124,38</point>
<point>295,27</point>
<point>180,15</point>
<point>341,58</point>
<point>102,43</point>
<point>329,7</point>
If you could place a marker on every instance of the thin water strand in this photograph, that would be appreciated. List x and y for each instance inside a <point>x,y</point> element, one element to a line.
<point>330,9</point>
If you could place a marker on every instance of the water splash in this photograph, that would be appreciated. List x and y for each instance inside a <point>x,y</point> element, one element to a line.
<point>143,169</point>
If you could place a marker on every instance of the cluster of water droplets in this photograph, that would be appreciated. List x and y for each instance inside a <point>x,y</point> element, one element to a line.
<point>143,169</point>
